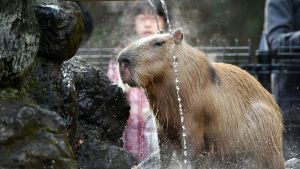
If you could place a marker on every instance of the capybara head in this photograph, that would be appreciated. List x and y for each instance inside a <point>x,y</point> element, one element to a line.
<point>147,60</point>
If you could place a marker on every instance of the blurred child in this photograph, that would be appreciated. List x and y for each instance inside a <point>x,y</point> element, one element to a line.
<point>140,135</point>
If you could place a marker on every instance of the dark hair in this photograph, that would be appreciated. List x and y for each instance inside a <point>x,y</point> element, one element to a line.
<point>144,6</point>
<point>88,23</point>
<point>134,8</point>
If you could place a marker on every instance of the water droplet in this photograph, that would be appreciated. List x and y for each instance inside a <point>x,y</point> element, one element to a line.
<point>175,64</point>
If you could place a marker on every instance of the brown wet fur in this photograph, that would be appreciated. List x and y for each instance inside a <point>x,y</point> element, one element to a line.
<point>230,117</point>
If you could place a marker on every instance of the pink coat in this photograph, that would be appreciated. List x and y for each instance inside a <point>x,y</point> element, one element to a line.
<point>140,135</point>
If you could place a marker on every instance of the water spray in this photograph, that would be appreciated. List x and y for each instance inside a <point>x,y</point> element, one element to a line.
<point>183,128</point>
<point>180,107</point>
<point>163,3</point>
<point>155,12</point>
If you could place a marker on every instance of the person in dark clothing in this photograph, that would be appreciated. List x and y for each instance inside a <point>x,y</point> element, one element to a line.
<point>282,22</point>
<point>282,30</point>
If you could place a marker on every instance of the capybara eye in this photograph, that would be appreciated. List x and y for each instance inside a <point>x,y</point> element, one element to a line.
<point>159,43</point>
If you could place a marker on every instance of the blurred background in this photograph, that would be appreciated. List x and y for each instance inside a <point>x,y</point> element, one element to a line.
<point>226,30</point>
<point>201,20</point>
<point>234,24</point>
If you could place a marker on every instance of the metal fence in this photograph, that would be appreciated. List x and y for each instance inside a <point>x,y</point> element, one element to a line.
<point>238,55</point>
<point>98,57</point>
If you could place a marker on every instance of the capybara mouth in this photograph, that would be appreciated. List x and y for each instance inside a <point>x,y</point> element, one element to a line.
<point>126,75</point>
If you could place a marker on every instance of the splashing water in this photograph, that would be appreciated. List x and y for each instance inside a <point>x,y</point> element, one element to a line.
<point>183,128</point>
<point>155,12</point>
<point>163,3</point>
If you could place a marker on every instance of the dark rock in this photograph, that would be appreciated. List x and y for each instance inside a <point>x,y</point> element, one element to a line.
<point>19,39</point>
<point>45,86</point>
<point>61,27</point>
<point>76,89</point>
<point>32,137</point>
<point>93,109</point>
<point>103,112</point>
<point>95,155</point>
<point>101,105</point>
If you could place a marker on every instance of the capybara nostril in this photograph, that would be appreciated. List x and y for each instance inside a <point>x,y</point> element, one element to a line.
<point>124,59</point>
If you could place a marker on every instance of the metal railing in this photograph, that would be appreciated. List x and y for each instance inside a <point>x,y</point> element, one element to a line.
<point>98,57</point>
<point>238,55</point>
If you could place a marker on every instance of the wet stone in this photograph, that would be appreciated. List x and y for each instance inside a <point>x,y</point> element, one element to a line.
<point>94,111</point>
<point>103,111</point>
<point>102,107</point>
<point>19,39</point>
<point>115,157</point>
<point>33,137</point>
<point>61,27</point>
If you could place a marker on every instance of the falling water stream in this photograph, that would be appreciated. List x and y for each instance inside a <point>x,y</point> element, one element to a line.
<point>175,64</point>
<point>163,3</point>
<point>183,129</point>
<point>155,11</point>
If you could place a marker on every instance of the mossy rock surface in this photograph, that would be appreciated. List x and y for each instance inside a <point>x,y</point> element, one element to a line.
<point>19,40</point>
<point>61,26</point>
<point>32,137</point>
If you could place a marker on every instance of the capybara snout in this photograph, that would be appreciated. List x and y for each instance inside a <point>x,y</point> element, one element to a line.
<point>125,59</point>
<point>156,62</point>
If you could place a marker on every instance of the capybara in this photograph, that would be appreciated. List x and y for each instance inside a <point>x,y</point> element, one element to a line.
<point>227,112</point>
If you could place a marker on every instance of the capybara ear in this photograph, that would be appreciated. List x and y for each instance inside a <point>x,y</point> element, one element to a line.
<point>177,35</point>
